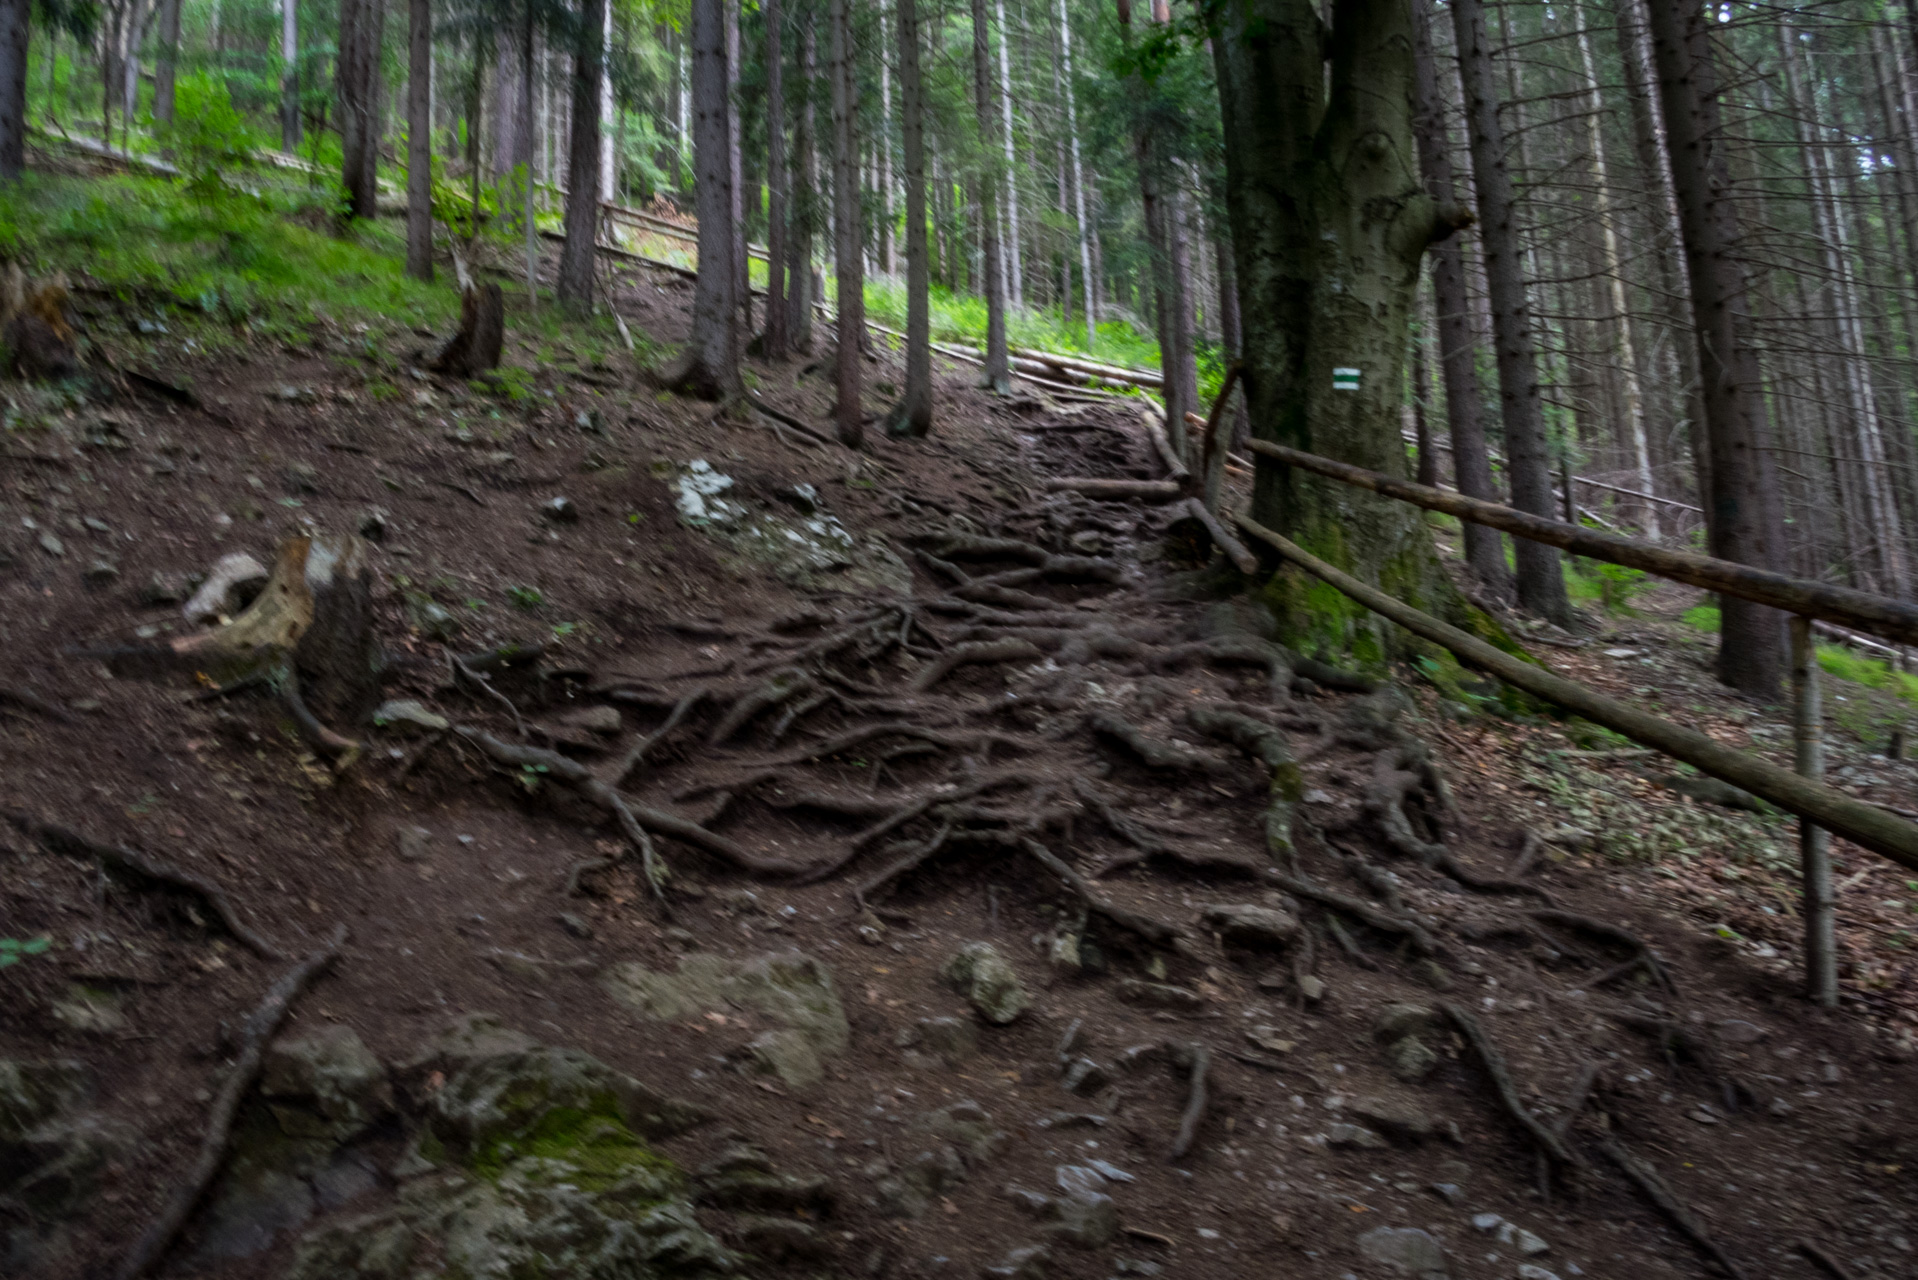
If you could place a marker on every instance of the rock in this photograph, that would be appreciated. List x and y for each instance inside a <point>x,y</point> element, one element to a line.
<point>1159,995</point>
<point>324,1083</point>
<point>413,843</point>
<point>1433,974</point>
<point>51,544</point>
<point>1448,1191</point>
<point>1270,1039</point>
<point>954,1141</point>
<point>952,1039</point>
<point>469,1038</point>
<point>495,1105</point>
<point>787,1054</point>
<point>1399,1120</point>
<point>789,988</point>
<point>560,511</point>
<point>373,524</point>
<point>988,981</point>
<point>230,587</point>
<point>1486,1221</point>
<point>575,925</point>
<point>1395,1021</point>
<point>802,498</point>
<point>1311,987</point>
<point>1352,1135</point>
<point>743,1178</point>
<point>32,1092</point>
<point>101,573</point>
<point>433,620</point>
<point>1028,1262</point>
<point>1082,1218</point>
<point>780,1239</point>
<point>1410,1059</point>
<point>1738,1031</point>
<point>1526,1242</point>
<point>1406,1250</point>
<point>406,715</point>
<point>1240,925</point>
<point>88,1009</point>
<point>599,719</point>
<point>1532,1271</point>
<point>1085,1075</point>
<point>289,394</point>
<point>55,1168</point>
<point>165,588</point>
<point>301,477</point>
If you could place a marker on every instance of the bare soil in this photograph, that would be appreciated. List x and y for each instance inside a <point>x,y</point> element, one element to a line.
<point>1774,1122</point>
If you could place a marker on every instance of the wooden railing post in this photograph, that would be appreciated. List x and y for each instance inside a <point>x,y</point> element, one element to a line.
<point>1814,842</point>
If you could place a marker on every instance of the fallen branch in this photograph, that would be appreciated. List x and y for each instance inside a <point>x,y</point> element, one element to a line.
<point>463,670</point>
<point>1646,1178</point>
<point>1494,1063</point>
<point>258,1029</point>
<point>1197,1059</point>
<point>1117,490</point>
<point>60,840</point>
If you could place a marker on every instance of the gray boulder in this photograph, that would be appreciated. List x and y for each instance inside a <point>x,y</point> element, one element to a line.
<point>1405,1250</point>
<point>789,988</point>
<point>324,1084</point>
<point>1241,925</point>
<point>988,980</point>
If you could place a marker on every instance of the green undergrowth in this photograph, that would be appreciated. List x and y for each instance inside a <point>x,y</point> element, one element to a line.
<point>962,318</point>
<point>597,1145</point>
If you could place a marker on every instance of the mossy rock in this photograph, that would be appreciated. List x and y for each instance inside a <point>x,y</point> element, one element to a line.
<point>500,1107</point>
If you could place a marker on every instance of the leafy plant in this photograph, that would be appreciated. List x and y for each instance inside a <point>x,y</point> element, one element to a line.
<point>206,137</point>
<point>13,950</point>
<point>527,598</point>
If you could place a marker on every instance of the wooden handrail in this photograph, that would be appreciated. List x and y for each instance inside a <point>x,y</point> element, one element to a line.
<point>1863,823</point>
<point>1883,617</point>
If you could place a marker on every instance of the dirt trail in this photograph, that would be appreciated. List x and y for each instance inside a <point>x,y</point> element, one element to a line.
<point>1277,960</point>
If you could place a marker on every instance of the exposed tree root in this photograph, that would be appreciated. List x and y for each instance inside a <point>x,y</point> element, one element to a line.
<point>1330,677</point>
<point>1384,921</point>
<point>1452,867</point>
<point>1611,933</point>
<point>258,1029</point>
<point>1197,1060</point>
<point>864,734</point>
<point>1147,845</point>
<point>1240,650</point>
<point>1152,751</point>
<point>976,652</point>
<point>57,839</point>
<point>1823,1260</point>
<point>911,856</point>
<point>1268,746</point>
<point>1493,1061</point>
<point>967,546</point>
<point>636,756</point>
<point>1646,1179</point>
<point>1004,597</point>
<point>1385,801</point>
<point>1529,853</point>
<point>1147,927</point>
<point>780,687</point>
<point>342,750</point>
<point>463,669</point>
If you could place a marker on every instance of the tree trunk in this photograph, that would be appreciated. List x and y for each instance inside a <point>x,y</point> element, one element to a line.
<point>912,416</point>
<point>1015,283</point>
<point>1181,367</point>
<point>805,213</point>
<point>847,258</point>
<point>1428,470</point>
<point>774,343</point>
<point>166,65</point>
<point>1232,338</point>
<point>709,367</point>
<point>997,374</point>
<point>15,19</point>
<point>609,150</point>
<point>888,260</point>
<point>419,139</point>
<point>1078,177</point>
<point>1541,583</point>
<point>362,22</point>
<point>1751,651</point>
<point>1458,363</point>
<point>577,258</point>
<point>1329,223</point>
<point>290,72</point>
<point>735,163</point>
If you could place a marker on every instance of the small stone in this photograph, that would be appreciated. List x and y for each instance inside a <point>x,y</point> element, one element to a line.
<point>101,573</point>
<point>1027,1263</point>
<point>1781,1108</point>
<point>1088,541</point>
<point>1405,1249</point>
<point>1398,1120</point>
<point>1525,1241</point>
<point>1738,1031</point>
<point>1239,925</point>
<point>1159,994</point>
<point>802,498</point>
<point>1270,1039</point>
<point>989,981</point>
<point>52,545</point>
<point>289,394</point>
<point>434,620</point>
<point>601,719</point>
<point>89,1010</point>
<point>413,843</point>
<point>1486,1221</point>
<point>1433,974</point>
<point>1137,1267</point>
<point>301,477</point>
<point>574,925</point>
<point>165,588</point>
<point>781,1239</point>
<point>1312,988</point>
<point>1086,1075</point>
<point>1532,1271</point>
<point>560,511</point>
<point>231,586</point>
<point>1450,1191</point>
<point>1410,1059</point>
<point>1396,1021</point>
<point>1352,1135</point>
<point>404,715</point>
<point>1073,1120</point>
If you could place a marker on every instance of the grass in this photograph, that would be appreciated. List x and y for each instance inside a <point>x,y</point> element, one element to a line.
<point>962,318</point>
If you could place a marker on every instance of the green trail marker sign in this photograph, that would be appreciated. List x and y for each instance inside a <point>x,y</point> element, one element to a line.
<point>1345,379</point>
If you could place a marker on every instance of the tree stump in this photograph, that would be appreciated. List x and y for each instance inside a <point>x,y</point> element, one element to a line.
<point>475,348</point>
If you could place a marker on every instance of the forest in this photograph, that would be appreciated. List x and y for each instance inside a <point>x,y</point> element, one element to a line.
<point>845,639</point>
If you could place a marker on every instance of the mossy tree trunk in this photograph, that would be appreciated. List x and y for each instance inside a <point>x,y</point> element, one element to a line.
<point>1329,223</point>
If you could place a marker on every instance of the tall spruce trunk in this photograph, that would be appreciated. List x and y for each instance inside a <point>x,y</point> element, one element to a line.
<point>1329,223</point>
<point>805,213</point>
<point>362,22</point>
<point>419,139</point>
<point>1741,523</point>
<point>997,374</point>
<point>1078,178</point>
<point>290,73</point>
<point>709,366</point>
<point>848,258</point>
<point>578,255</point>
<point>912,416</point>
<point>167,65</point>
<point>774,343</point>
<point>15,20</point>
<point>1540,581</point>
<point>735,161</point>
<point>1015,281</point>
<point>1458,362</point>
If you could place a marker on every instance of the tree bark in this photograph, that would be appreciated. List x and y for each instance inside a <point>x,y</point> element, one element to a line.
<point>577,257</point>
<point>773,344</point>
<point>1541,583</point>
<point>848,259</point>
<point>1751,652</point>
<point>419,139</point>
<point>166,66</point>
<point>1015,282</point>
<point>735,162</point>
<point>912,416</point>
<point>1078,178</point>
<point>709,366</point>
<point>1329,223</point>
<point>15,23</point>
<point>805,210</point>
<point>1458,363</point>
<point>362,22</point>
<point>290,72</point>
<point>997,374</point>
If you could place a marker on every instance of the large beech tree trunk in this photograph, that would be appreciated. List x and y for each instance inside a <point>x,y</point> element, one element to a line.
<point>577,257</point>
<point>1541,582</point>
<point>1741,522</point>
<point>997,374</point>
<point>419,139</point>
<point>848,258</point>
<point>1458,363</point>
<point>1329,223</point>
<point>912,416</point>
<point>709,366</point>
